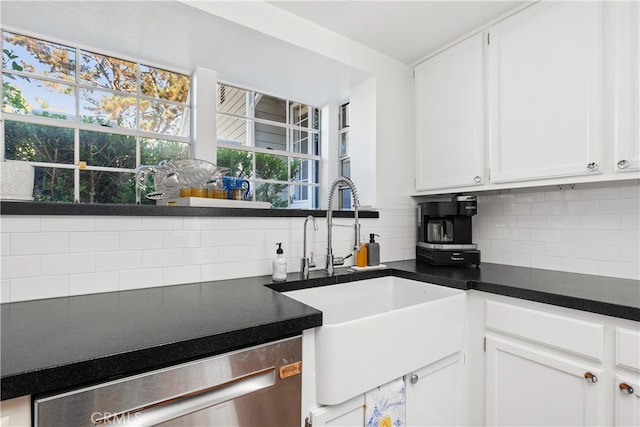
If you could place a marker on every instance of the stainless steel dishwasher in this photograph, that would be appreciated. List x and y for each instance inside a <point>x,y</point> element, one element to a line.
<point>259,386</point>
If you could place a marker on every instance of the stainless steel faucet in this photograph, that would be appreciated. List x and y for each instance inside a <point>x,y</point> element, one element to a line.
<point>331,260</point>
<point>306,263</point>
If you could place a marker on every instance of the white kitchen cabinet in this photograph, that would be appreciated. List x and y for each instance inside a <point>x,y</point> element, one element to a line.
<point>346,414</point>
<point>450,117</point>
<point>627,401</point>
<point>545,92</point>
<point>434,395</point>
<point>627,379</point>
<point>627,87</point>
<point>527,386</point>
<point>15,412</point>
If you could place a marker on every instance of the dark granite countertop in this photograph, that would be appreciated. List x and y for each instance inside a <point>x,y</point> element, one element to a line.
<point>56,344</point>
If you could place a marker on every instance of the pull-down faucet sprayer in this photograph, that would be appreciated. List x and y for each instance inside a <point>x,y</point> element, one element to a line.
<point>331,260</point>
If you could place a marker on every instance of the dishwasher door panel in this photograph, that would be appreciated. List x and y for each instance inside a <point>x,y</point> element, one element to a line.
<point>259,386</point>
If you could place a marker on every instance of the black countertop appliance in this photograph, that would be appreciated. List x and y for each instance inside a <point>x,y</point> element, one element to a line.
<point>444,232</point>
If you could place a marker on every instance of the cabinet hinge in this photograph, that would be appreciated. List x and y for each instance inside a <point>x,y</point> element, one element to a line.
<point>488,38</point>
<point>484,344</point>
<point>307,422</point>
<point>414,74</point>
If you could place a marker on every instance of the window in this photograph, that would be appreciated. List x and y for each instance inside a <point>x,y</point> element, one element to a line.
<point>273,142</point>
<point>344,157</point>
<point>86,120</point>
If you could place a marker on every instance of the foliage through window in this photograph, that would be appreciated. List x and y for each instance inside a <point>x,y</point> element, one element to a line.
<point>273,142</point>
<point>65,107</point>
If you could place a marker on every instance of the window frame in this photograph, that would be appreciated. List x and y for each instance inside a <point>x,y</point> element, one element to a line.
<point>77,125</point>
<point>311,202</point>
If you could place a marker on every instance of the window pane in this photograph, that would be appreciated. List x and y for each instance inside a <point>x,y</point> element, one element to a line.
<point>107,187</point>
<point>39,57</point>
<point>166,119</point>
<point>38,143</point>
<point>304,170</point>
<point>344,144</point>
<point>153,151</point>
<point>273,137</point>
<point>231,100</point>
<point>299,115</point>
<point>303,197</point>
<point>299,141</point>
<point>240,163</point>
<point>105,149</point>
<point>53,185</point>
<point>231,130</point>
<point>345,198</point>
<point>163,84</point>
<point>345,168</point>
<point>315,123</point>
<point>344,116</point>
<point>276,194</point>
<point>269,166</point>
<point>270,108</point>
<point>107,109</point>
<point>108,72</point>
<point>37,97</point>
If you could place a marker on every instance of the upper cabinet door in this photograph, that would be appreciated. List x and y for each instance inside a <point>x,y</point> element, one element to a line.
<point>627,87</point>
<point>545,92</point>
<point>449,117</point>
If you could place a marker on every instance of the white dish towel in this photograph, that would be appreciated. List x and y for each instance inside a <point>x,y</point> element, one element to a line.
<point>385,405</point>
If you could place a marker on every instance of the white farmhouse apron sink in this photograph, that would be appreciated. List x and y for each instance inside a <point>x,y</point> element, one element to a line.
<point>380,329</point>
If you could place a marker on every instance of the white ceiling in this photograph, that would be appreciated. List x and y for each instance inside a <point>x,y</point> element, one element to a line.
<point>404,30</point>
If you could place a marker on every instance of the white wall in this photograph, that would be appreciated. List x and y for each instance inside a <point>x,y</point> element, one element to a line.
<point>590,229</point>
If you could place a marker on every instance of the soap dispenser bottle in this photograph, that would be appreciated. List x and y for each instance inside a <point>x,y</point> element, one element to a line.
<point>373,251</point>
<point>279,265</point>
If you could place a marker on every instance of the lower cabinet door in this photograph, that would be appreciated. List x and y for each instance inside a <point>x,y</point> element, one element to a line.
<point>434,393</point>
<point>527,386</point>
<point>346,414</point>
<point>627,401</point>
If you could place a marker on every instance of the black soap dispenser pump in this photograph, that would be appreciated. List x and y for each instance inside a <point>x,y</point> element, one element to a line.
<point>373,251</point>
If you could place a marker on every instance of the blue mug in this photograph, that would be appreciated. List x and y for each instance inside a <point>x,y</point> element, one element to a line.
<point>232,184</point>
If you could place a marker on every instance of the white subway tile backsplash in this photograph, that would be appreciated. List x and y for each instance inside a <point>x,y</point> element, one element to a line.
<point>531,221</point>
<point>158,258</point>
<point>546,234</point>
<point>137,279</point>
<point>580,207</point>
<point>93,283</point>
<point>39,243</point>
<point>20,224</point>
<point>39,287</point>
<point>218,238</point>
<point>591,228</point>
<point>20,266</point>
<point>118,260</point>
<point>72,263</point>
<point>141,240</point>
<point>620,206</point>
<point>5,291</point>
<point>599,222</point>
<point>5,243</point>
<point>602,193</point>
<point>182,239</point>
<point>530,197</point>
<point>94,241</point>
<point>579,235</point>
<point>560,195</point>
<point>199,223</point>
<point>202,255</point>
<point>68,223</point>
<point>516,209</point>
<point>181,274</point>
<point>118,223</point>
<point>546,208</point>
<point>162,223</point>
